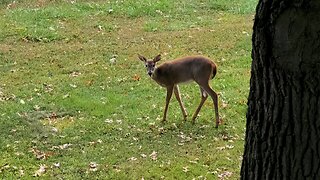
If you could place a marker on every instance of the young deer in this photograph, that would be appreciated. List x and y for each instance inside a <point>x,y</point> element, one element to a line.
<point>169,74</point>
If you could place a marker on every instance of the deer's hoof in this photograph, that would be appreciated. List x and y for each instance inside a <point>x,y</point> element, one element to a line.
<point>193,120</point>
<point>185,118</point>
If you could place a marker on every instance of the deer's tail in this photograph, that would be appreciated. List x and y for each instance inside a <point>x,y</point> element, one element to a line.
<point>214,71</point>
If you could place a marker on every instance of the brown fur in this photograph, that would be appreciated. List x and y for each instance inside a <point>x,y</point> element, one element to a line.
<point>184,69</point>
<point>190,68</point>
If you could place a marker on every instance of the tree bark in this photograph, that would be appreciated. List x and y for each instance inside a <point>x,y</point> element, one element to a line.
<point>283,118</point>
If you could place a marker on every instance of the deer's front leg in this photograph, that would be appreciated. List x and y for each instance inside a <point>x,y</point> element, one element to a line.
<point>178,97</point>
<point>169,94</point>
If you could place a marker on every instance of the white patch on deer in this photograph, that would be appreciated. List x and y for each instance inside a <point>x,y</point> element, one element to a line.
<point>204,94</point>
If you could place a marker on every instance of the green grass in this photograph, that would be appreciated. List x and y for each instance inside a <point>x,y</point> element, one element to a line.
<point>76,100</point>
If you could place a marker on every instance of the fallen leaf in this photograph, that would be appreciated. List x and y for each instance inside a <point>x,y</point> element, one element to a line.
<point>193,162</point>
<point>36,107</point>
<point>21,172</point>
<point>161,130</point>
<point>185,169</point>
<point>22,101</point>
<point>41,155</point>
<point>143,155</point>
<point>221,148</point>
<point>100,28</point>
<point>224,105</point>
<point>109,121</point>
<point>89,63</point>
<point>132,159</point>
<point>113,60</point>
<point>53,115</point>
<point>40,171</point>
<point>224,175</point>
<point>93,166</point>
<point>12,5</point>
<point>154,155</point>
<point>4,167</point>
<point>65,146</point>
<point>116,168</point>
<point>136,77</point>
<point>75,74</point>
<point>89,83</point>
<point>229,146</point>
<point>73,85</point>
<point>48,87</point>
<point>57,165</point>
<point>65,96</point>
<point>119,121</point>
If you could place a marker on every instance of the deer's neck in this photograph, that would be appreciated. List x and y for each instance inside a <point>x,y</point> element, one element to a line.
<point>158,77</point>
<point>155,75</point>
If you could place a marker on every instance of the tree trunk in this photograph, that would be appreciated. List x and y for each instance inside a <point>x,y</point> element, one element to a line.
<point>283,118</point>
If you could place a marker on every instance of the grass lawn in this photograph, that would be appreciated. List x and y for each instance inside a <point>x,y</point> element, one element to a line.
<point>76,103</point>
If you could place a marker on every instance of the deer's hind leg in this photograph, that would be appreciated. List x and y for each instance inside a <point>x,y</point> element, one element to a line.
<point>214,97</point>
<point>204,97</point>
<point>178,97</point>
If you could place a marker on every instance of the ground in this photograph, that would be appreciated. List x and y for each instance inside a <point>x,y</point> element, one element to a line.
<point>76,101</point>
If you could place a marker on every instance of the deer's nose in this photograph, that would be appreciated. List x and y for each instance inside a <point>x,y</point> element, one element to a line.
<point>150,73</point>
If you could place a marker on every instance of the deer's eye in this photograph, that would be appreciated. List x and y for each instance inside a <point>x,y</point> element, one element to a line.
<point>153,65</point>
<point>146,65</point>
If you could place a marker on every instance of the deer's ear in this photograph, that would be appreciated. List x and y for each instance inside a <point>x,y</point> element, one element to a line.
<point>142,58</point>
<point>157,58</point>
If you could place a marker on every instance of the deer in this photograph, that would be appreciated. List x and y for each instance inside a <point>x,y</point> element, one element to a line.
<point>169,74</point>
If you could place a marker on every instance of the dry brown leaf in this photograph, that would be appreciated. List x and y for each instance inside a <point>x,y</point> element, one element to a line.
<point>41,155</point>
<point>136,77</point>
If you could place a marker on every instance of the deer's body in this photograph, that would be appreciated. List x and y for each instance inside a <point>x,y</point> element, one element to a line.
<point>191,68</point>
<point>183,70</point>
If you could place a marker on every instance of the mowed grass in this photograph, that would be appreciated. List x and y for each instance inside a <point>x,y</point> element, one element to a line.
<point>76,103</point>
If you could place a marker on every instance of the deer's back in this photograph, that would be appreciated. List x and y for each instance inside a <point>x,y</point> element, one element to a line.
<point>185,69</point>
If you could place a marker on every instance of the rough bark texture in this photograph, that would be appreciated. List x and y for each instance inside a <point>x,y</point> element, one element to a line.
<point>283,118</point>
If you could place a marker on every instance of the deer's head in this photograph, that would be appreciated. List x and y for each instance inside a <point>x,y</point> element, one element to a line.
<point>150,64</point>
